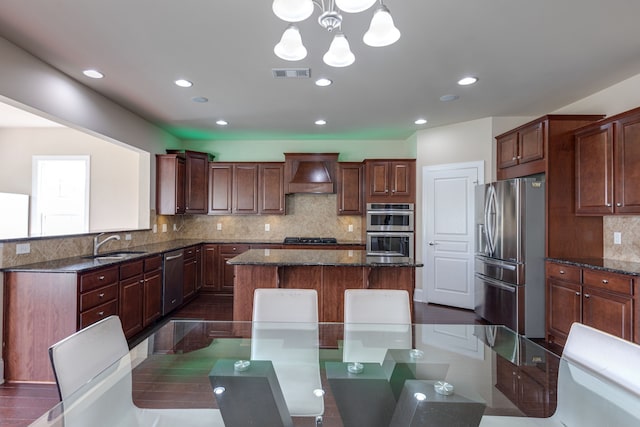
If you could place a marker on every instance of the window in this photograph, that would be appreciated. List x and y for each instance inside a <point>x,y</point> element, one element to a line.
<point>60,195</point>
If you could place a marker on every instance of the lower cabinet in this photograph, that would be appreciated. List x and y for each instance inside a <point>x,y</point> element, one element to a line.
<point>596,298</point>
<point>131,296</point>
<point>191,275</point>
<point>209,268</point>
<point>152,292</point>
<point>226,271</point>
<point>528,387</point>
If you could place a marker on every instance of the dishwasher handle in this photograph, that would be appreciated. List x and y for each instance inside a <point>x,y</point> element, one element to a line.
<point>170,258</point>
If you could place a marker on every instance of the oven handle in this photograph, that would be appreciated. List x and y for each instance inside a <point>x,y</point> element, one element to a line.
<point>497,283</point>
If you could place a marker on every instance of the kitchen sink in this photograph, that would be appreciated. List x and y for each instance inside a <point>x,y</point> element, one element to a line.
<point>111,256</point>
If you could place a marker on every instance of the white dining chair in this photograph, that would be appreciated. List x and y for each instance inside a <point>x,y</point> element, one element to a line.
<point>95,362</point>
<point>285,332</point>
<point>375,320</point>
<point>598,384</point>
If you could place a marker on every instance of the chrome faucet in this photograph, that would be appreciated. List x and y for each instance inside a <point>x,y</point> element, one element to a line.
<point>96,244</point>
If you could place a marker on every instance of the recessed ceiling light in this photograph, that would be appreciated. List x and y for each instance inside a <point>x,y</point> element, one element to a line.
<point>321,122</point>
<point>466,81</point>
<point>183,83</point>
<point>322,82</point>
<point>449,98</point>
<point>420,121</point>
<point>94,74</point>
<point>200,99</point>
<point>221,122</point>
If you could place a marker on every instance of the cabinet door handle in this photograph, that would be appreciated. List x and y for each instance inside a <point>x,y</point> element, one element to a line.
<point>513,158</point>
<point>608,205</point>
<point>519,157</point>
<point>605,281</point>
<point>561,271</point>
<point>587,295</point>
<point>618,204</point>
<point>577,293</point>
<point>101,278</point>
<point>101,313</point>
<point>101,295</point>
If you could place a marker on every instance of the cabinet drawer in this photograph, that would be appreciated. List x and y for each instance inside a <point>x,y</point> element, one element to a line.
<point>130,269</point>
<point>190,252</point>
<point>152,263</point>
<point>98,296</point>
<point>98,313</point>
<point>233,249</point>
<point>564,272</point>
<point>98,278</point>
<point>609,281</point>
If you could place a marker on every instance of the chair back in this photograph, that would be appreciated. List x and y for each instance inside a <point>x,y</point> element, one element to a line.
<point>375,320</point>
<point>84,354</point>
<point>598,380</point>
<point>285,305</point>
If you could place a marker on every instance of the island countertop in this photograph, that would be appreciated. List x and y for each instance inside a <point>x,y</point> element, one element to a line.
<point>318,257</point>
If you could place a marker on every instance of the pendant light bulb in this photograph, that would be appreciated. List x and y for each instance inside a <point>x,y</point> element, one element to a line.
<point>290,47</point>
<point>339,53</point>
<point>382,31</point>
<point>354,6</point>
<point>292,10</point>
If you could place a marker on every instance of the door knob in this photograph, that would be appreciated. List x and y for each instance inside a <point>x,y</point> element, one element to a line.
<point>432,243</point>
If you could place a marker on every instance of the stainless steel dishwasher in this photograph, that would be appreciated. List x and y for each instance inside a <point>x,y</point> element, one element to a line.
<point>173,276</point>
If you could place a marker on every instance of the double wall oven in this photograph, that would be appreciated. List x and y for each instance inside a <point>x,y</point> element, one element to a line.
<point>390,231</point>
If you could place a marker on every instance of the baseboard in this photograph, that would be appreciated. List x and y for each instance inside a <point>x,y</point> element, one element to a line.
<point>418,295</point>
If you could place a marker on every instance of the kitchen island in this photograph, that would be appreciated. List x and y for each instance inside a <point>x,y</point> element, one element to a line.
<point>329,272</point>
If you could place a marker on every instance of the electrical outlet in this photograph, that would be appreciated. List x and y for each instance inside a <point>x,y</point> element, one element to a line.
<point>267,227</point>
<point>617,238</point>
<point>164,228</point>
<point>175,227</point>
<point>127,236</point>
<point>155,228</point>
<point>218,226</point>
<point>350,229</point>
<point>23,248</point>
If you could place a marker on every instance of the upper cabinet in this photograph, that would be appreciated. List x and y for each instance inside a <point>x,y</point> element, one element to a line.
<point>390,181</point>
<point>522,151</point>
<point>350,188</point>
<point>181,183</point>
<point>608,166</point>
<point>246,188</point>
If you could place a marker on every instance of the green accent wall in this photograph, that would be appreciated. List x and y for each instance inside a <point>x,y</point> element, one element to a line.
<point>273,150</point>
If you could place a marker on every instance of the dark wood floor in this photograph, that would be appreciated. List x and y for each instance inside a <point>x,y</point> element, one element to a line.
<point>21,404</point>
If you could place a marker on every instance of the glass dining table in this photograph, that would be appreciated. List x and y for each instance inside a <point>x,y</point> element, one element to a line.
<point>330,374</point>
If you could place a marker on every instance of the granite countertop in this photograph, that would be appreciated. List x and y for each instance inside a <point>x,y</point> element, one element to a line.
<point>85,263</point>
<point>604,264</point>
<point>317,257</point>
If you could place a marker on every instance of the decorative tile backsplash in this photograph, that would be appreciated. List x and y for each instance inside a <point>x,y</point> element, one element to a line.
<point>308,215</point>
<point>629,227</point>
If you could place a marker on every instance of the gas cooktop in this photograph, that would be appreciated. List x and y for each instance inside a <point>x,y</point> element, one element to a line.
<point>311,240</point>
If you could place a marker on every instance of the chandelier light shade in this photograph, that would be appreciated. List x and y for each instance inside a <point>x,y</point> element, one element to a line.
<point>290,47</point>
<point>292,10</point>
<point>339,53</point>
<point>382,31</point>
<point>354,6</point>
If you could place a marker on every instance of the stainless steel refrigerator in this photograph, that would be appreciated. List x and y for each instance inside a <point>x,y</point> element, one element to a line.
<point>509,261</point>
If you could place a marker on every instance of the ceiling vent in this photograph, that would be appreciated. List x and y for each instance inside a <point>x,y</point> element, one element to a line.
<point>291,73</point>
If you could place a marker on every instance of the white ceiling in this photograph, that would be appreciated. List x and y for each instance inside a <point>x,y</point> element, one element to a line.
<point>532,57</point>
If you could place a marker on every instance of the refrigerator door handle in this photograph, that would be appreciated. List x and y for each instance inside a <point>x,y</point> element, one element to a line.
<point>497,284</point>
<point>489,219</point>
<point>497,263</point>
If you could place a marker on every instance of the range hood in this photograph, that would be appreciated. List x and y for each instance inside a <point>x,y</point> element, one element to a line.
<point>310,172</point>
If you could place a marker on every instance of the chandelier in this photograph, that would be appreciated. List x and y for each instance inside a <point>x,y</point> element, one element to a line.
<point>381,32</point>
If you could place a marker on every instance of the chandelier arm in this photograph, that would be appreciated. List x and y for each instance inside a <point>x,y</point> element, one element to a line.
<point>320,4</point>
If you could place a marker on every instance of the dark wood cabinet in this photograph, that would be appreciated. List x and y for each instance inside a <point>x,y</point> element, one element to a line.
<point>390,181</point>
<point>190,273</point>
<point>608,166</point>
<point>596,298</point>
<point>531,396</point>
<point>350,188</point>
<point>521,148</point>
<point>131,297</point>
<point>210,276</point>
<point>271,198</point>
<point>152,293</point>
<point>226,271</point>
<point>181,183</point>
<point>246,188</point>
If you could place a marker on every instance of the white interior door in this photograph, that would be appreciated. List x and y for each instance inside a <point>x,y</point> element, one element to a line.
<point>448,227</point>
